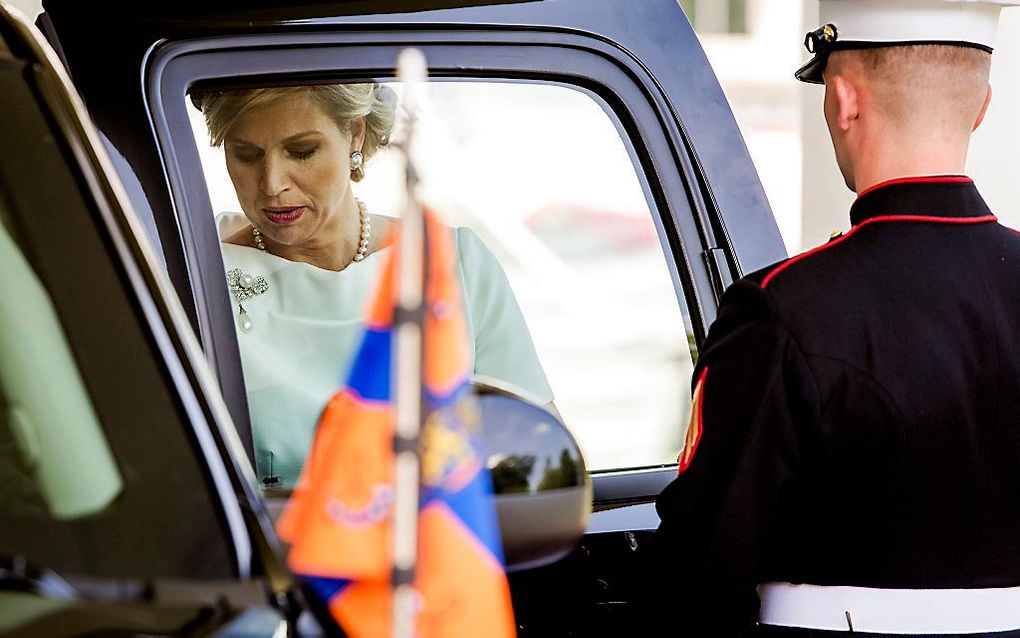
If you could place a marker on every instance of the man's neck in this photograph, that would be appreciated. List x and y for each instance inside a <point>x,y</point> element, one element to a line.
<point>908,156</point>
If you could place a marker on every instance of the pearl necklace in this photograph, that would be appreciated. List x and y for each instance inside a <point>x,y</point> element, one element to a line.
<point>366,233</point>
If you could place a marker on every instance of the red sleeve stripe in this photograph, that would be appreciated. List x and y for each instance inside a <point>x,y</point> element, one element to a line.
<point>941,179</point>
<point>887,218</point>
<point>696,426</point>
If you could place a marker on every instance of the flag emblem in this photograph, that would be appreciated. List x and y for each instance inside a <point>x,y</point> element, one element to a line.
<point>339,520</point>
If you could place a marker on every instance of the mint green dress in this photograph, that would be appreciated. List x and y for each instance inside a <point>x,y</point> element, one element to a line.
<point>307,324</point>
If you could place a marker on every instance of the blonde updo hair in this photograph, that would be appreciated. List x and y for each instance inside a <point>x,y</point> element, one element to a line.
<point>342,102</point>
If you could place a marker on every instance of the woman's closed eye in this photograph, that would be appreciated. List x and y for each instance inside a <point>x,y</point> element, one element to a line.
<point>303,152</point>
<point>247,156</point>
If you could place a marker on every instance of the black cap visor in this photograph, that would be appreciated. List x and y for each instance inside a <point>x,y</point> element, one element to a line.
<point>812,71</point>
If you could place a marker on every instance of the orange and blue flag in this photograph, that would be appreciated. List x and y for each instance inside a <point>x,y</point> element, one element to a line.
<point>339,519</point>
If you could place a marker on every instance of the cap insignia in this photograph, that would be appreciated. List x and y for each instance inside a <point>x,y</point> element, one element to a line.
<point>820,39</point>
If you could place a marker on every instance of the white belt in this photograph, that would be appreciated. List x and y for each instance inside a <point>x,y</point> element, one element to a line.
<point>902,611</point>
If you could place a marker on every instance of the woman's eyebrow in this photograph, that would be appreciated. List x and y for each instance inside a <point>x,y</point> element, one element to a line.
<point>300,135</point>
<point>287,140</point>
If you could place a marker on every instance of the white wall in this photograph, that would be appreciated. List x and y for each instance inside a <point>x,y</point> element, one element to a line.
<point>826,199</point>
<point>756,73</point>
<point>994,159</point>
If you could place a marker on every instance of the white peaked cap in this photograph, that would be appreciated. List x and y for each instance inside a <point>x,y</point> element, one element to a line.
<point>858,24</point>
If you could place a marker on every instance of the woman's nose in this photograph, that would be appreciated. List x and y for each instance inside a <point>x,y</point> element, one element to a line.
<point>274,177</point>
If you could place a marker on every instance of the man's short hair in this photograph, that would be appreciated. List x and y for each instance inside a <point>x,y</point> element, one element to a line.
<point>885,63</point>
<point>911,79</point>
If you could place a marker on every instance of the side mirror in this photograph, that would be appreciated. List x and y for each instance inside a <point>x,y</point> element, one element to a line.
<point>541,486</point>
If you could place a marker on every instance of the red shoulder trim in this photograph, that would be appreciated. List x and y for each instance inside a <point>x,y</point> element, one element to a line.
<point>938,179</point>
<point>887,218</point>
<point>695,427</point>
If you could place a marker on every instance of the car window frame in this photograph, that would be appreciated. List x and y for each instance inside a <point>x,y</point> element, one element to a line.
<point>659,149</point>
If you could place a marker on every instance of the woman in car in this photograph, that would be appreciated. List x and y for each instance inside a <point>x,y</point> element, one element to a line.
<point>306,256</point>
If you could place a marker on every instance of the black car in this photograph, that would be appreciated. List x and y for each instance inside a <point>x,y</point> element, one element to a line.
<point>145,514</point>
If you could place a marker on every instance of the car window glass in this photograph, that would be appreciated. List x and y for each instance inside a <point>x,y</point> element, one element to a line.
<point>100,473</point>
<point>542,178</point>
<point>54,459</point>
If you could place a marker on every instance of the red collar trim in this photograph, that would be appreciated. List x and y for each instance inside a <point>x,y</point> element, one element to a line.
<point>873,220</point>
<point>930,179</point>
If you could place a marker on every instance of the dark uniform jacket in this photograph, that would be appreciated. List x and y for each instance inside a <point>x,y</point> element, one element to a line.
<point>856,419</point>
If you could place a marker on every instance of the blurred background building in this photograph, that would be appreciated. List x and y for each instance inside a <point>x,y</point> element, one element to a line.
<point>755,46</point>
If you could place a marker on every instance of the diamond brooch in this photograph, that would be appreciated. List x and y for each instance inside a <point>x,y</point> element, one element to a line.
<point>244,286</point>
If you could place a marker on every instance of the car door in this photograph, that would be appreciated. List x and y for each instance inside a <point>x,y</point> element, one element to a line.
<point>696,218</point>
<point>121,508</point>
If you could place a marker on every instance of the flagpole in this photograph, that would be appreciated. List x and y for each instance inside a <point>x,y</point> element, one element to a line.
<point>407,364</point>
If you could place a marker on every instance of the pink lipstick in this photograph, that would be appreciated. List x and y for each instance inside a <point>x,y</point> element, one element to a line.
<point>283,215</point>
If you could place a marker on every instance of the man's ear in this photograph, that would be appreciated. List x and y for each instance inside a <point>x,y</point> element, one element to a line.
<point>984,108</point>
<point>846,101</point>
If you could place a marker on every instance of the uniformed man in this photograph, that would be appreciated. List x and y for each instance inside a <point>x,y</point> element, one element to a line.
<point>853,458</point>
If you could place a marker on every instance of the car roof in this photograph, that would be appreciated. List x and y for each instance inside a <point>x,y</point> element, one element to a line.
<point>260,10</point>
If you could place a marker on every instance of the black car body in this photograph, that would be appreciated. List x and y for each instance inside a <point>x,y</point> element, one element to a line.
<point>133,65</point>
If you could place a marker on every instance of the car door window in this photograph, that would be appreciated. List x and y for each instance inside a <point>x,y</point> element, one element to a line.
<point>54,458</point>
<point>540,173</point>
<point>100,472</point>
